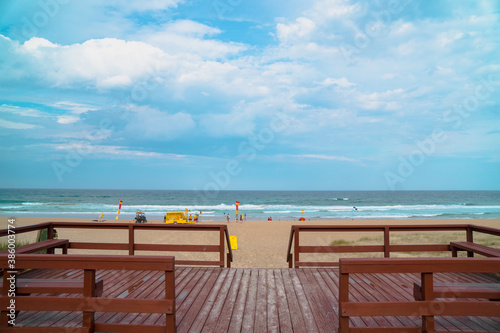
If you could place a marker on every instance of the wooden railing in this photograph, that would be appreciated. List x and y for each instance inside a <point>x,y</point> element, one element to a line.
<point>88,303</point>
<point>428,307</point>
<point>131,246</point>
<point>386,248</point>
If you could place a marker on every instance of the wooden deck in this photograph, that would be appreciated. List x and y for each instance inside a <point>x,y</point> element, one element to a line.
<point>257,300</point>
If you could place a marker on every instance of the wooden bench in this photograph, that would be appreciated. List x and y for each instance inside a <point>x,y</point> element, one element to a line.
<point>472,248</point>
<point>489,291</point>
<point>53,286</point>
<point>49,244</point>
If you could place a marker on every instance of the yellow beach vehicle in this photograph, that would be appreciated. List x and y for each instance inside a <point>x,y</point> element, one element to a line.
<point>177,217</point>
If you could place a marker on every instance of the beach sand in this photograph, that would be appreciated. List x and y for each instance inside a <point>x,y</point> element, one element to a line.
<point>261,244</point>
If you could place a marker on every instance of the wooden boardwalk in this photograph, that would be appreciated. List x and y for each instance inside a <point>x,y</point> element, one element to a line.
<point>257,300</point>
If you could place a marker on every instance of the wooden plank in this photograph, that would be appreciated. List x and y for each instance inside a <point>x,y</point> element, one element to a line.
<point>98,246</point>
<point>272,308</point>
<point>90,304</point>
<point>321,309</point>
<point>223,316</point>
<point>177,248</point>
<point>341,249</point>
<point>420,248</point>
<point>461,290</point>
<point>53,286</point>
<point>239,306</point>
<point>193,288</point>
<point>101,327</point>
<point>261,312</point>
<point>422,308</point>
<point>200,262</point>
<point>477,248</point>
<point>191,315</point>
<point>297,319</point>
<point>202,314</point>
<point>251,303</point>
<point>80,261</point>
<point>285,322</point>
<point>39,329</point>
<point>304,303</point>
<point>417,265</point>
<point>39,246</point>
<point>217,309</point>
<point>386,330</point>
<point>317,264</point>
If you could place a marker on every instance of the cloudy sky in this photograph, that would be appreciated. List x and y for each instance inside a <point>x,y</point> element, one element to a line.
<point>238,94</point>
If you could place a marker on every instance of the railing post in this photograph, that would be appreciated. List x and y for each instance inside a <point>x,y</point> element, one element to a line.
<point>131,239</point>
<point>50,235</point>
<point>387,240</point>
<point>221,246</point>
<point>290,260</point>
<point>470,238</point>
<point>427,295</point>
<point>343,298</point>
<point>170,295</point>
<point>296,247</point>
<point>89,291</point>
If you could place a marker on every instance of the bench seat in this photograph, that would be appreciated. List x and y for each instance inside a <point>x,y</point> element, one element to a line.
<point>473,248</point>
<point>53,286</point>
<point>48,244</point>
<point>489,291</point>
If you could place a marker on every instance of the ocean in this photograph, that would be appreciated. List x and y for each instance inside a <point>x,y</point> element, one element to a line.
<point>258,205</point>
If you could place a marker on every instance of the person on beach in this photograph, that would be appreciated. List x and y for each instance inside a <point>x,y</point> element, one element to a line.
<point>241,218</point>
<point>245,216</point>
<point>227,217</point>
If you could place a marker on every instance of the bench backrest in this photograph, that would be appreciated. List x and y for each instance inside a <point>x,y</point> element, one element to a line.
<point>427,307</point>
<point>89,303</point>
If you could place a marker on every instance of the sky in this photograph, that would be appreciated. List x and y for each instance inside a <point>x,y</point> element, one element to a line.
<point>214,95</point>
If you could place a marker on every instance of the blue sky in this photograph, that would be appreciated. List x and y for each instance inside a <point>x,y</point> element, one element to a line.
<point>237,94</point>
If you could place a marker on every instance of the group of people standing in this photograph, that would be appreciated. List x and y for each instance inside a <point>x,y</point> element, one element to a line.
<point>244,216</point>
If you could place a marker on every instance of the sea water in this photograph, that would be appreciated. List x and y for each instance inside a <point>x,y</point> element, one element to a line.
<point>258,205</point>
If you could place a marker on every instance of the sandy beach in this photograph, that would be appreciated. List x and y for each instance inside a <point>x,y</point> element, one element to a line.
<point>261,244</point>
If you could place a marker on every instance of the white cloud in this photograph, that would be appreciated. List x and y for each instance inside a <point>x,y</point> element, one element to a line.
<point>190,28</point>
<point>67,119</point>
<point>112,151</point>
<point>129,6</point>
<point>22,111</point>
<point>324,157</point>
<point>188,38</point>
<point>388,100</point>
<point>292,31</point>
<point>75,108</point>
<point>14,125</point>
<point>342,82</point>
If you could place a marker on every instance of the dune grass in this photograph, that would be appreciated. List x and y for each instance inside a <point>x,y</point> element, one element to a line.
<point>408,238</point>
